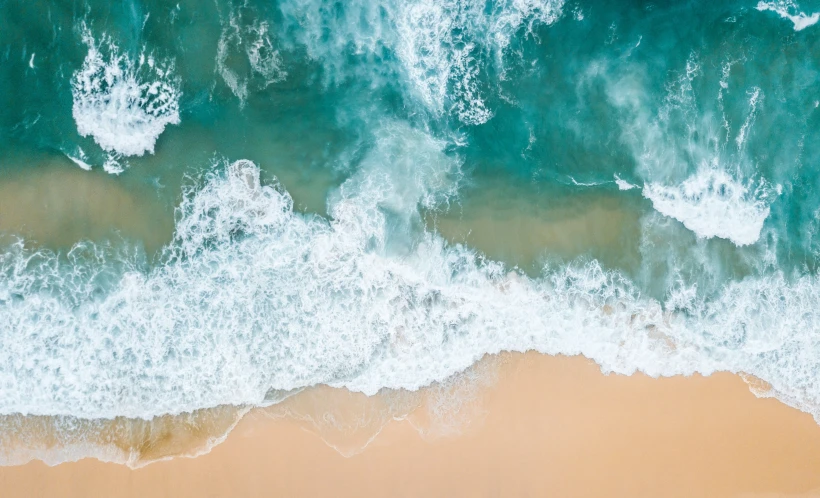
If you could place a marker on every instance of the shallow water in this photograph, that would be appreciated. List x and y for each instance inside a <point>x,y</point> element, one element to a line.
<point>202,205</point>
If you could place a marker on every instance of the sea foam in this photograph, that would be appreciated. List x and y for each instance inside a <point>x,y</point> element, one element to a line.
<point>788,10</point>
<point>253,298</point>
<point>713,204</point>
<point>717,192</point>
<point>442,47</point>
<point>253,40</point>
<point>124,104</point>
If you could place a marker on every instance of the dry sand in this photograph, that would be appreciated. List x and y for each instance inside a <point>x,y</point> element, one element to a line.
<point>549,426</point>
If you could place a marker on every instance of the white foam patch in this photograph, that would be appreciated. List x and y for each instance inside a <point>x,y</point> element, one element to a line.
<point>253,298</point>
<point>56,440</point>
<point>716,200</point>
<point>509,17</point>
<point>713,204</point>
<point>789,10</point>
<point>122,103</point>
<point>755,96</point>
<point>439,41</point>
<point>79,159</point>
<point>442,46</point>
<point>79,162</point>
<point>426,60</point>
<point>114,165</point>
<point>585,184</point>
<point>253,41</point>
<point>623,184</point>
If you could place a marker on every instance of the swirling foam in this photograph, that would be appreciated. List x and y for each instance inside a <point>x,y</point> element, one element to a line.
<point>788,10</point>
<point>253,40</point>
<point>122,103</point>
<point>713,204</point>
<point>697,176</point>
<point>441,45</point>
<point>254,298</point>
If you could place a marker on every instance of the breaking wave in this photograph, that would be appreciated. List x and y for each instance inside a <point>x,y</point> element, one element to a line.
<point>442,47</point>
<point>254,299</point>
<point>788,10</point>
<point>712,204</point>
<point>123,103</point>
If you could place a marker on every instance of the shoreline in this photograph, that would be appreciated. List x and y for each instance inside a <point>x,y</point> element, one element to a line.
<point>543,426</point>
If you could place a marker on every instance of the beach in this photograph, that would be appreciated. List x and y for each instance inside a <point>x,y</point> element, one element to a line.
<point>410,248</point>
<point>547,426</point>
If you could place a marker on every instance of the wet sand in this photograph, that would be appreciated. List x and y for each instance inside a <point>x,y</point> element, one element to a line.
<point>57,205</point>
<point>547,426</point>
<point>519,227</point>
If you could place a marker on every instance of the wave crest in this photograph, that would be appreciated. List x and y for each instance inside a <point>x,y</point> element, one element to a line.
<point>122,103</point>
<point>253,299</point>
<point>713,204</point>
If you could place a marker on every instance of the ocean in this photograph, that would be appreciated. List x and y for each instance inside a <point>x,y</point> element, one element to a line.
<point>207,207</point>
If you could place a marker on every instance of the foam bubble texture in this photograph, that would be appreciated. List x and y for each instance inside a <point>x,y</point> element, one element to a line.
<point>441,45</point>
<point>122,103</point>
<point>789,10</point>
<point>252,39</point>
<point>697,169</point>
<point>713,204</point>
<point>254,298</point>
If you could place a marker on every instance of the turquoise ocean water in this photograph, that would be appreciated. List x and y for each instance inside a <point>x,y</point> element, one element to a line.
<point>208,204</point>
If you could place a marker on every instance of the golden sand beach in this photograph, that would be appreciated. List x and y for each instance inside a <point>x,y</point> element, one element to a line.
<point>547,426</point>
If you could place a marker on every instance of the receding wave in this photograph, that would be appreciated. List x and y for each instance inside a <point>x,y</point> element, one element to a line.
<point>255,298</point>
